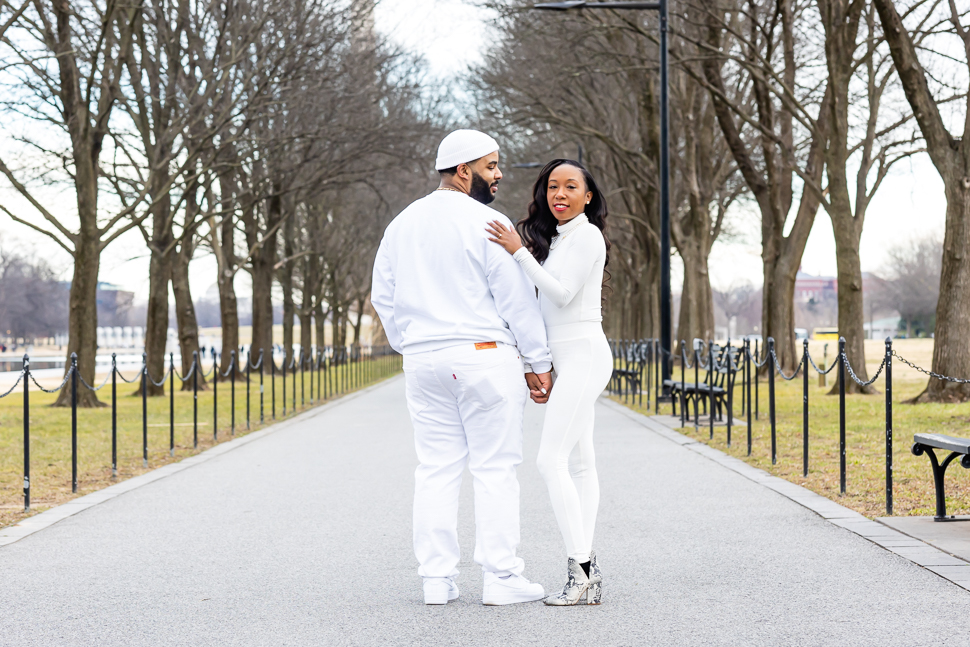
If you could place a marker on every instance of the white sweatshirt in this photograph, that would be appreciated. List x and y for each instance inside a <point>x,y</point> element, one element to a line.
<point>439,282</point>
<point>570,281</point>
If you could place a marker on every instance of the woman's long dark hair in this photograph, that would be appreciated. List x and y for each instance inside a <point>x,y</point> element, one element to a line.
<point>538,228</point>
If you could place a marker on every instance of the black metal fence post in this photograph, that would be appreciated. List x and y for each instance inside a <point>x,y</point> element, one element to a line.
<point>272,379</point>
<point>262,365</point>
<point>293,379</point>
<point>232,393</point>
<point>841,361</point>
<point>249,385</point>
<point>683,385</point>
<point>283,364</point>
<point>805,407</point>
<point>144,409</point>
<point>747,367</point>
<point>171,405</point>
<point>303,381</point>
<point>769,359</point>
<point>730,390</point>
<point>215,397</point>
<point>697,386</point>
<point>73,422</point>
<point>114,415</point>
<point>757,370</point>
<point>889,426</point>
<point>712,367</point>
<point>195,398</point>
<point>26,433</point>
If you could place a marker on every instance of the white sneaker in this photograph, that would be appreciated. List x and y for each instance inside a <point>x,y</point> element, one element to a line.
<point>511,589</point>
<point>439,590</point>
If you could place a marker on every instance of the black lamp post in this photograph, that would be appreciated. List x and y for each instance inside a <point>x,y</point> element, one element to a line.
<point>665,302</point>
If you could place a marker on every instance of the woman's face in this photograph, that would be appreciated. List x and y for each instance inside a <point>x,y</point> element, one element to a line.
<point>567,193</point>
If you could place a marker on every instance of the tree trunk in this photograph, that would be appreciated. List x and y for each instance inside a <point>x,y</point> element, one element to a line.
<point>223,245</point>
<point>188,325</point>
<point>339,326</point>
<point>851,309</point>
<point>263,260</point>
<point>83,319</point>
<point>696,319</point>
<point>285,278</point>
<point>952,331</point>
<point>360,319</point>
<point>951,157</point>
<point>156,325</point>
<point>320,322</point>
<point>778,308</point>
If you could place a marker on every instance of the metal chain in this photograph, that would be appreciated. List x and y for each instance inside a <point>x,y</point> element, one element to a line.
<point>56,389</point>
<point>908,363</point>
<point>91,388</point>
<point>754,361</point>
<point>132,380</point>
<point>853,375</point>
<point>187,375</point>
<point>825,372</point>
<point>19,377</point>
<point>232,362</point>
<point>781,372</point>
<point>164,379</point>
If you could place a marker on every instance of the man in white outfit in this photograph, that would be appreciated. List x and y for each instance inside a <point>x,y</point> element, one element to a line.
<point>464,315</point>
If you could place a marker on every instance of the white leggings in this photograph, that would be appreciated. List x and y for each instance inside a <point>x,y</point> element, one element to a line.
<point>583,362</point>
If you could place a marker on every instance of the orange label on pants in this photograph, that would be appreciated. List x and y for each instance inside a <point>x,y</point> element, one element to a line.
<point>485,345</point>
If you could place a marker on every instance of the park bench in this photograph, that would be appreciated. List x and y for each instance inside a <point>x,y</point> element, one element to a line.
<point>708,390</point>
<point>926,443</point>
<point>630,376</point>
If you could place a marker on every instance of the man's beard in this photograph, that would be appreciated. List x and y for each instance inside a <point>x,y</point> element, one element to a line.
<point>480,189</point>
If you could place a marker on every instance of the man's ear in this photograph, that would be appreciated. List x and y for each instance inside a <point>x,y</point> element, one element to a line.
<point>465,171</point>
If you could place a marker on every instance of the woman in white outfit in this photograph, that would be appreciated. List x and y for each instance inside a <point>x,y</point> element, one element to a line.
<point>565,253</point>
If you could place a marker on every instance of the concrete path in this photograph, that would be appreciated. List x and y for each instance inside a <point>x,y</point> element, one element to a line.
<point>303,537</point>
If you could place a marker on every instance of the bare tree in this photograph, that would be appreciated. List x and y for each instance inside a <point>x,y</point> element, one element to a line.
<point>31,299</point>
<point>611,105</point>
<point>950,155</point>
<point>912,281</point>
<point>751,48</point>
<point>66,62</point>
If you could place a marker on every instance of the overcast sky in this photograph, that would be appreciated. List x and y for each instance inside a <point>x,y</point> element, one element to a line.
<point>450,34</point>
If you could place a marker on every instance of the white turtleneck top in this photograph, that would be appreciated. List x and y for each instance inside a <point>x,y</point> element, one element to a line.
<point>570,281</point>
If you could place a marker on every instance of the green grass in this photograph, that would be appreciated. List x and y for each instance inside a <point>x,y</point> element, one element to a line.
<point>50,432</point>
<point>865,438</point>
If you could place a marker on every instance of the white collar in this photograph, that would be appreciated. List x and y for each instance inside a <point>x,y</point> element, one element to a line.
<point>572,224</point>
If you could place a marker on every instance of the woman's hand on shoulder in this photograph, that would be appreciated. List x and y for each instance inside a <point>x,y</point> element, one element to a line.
<point>504,236</point>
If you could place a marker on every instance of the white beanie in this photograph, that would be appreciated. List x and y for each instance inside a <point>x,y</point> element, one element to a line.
<point>463,146</point>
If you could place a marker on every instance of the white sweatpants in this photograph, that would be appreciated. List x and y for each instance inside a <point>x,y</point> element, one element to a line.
<point>466,406</point>
<point>566,460</point>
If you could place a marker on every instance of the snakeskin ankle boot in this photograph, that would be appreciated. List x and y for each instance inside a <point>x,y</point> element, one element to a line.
<point>595,593</point>
<point>577,585</point>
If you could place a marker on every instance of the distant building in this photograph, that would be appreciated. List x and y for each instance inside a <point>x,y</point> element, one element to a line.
<point>114,305</point>
<point>816,289</point>
<point>809,288</point>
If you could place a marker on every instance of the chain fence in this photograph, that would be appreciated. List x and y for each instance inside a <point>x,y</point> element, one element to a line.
<point>332,371</point>
<point>643,368</point>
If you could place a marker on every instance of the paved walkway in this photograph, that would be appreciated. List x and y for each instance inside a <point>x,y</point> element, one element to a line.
<point>303,537</point>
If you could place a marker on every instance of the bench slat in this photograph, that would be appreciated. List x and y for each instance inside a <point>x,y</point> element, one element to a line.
<point>940,441</point>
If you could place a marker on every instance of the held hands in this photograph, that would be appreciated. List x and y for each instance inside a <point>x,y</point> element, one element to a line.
<point>540,386</point>
<point>507,238</point>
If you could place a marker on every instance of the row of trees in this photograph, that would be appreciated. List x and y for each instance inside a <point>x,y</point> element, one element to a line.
<point>788,107</point>
<point>271,134</point>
